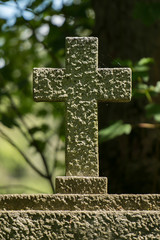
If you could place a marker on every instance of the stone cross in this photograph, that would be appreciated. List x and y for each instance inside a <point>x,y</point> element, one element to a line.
<point>81,85</point>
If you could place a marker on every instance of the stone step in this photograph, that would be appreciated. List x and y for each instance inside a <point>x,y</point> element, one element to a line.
<point>80,202</point>
<point>77,225</point>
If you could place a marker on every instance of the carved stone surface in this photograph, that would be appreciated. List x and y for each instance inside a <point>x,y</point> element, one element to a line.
<point>79,225</point>
<point>72,216</point>
<point>81,185</point>
<point>81,84</point>
<point>79,202</point>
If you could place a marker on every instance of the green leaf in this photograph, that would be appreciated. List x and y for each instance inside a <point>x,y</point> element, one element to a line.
<point>145,79</point>
<point>116,129</point>
<point>153,111</point>
<point>142,86</point>
<point>157,117</point>
<point>157,87</point>
<point>145,61</point>
<point>140,68</point>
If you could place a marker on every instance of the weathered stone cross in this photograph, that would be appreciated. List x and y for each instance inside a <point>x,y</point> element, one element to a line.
<point>81,85</point>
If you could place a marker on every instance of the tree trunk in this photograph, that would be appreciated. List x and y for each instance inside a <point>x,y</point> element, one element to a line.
<point>132,163</point>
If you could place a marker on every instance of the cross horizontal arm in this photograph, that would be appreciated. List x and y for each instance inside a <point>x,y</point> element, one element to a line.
<point>48,84</point>
<point>114,84</point>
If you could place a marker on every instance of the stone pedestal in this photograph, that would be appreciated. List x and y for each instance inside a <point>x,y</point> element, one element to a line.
<point>81,185</point>
<point>77,216</point>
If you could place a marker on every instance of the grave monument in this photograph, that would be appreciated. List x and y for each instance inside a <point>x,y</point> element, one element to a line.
<point>81,207</point>
<point>81,84</point>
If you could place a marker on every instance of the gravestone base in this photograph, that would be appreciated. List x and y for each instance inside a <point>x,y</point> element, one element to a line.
<point>80,216</point>
<point>81,185</point>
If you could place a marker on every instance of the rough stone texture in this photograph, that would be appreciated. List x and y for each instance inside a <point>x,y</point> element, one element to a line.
<point>81,85</point>
<point>93,217</point>
<point>81,138</point>
<point>80,202</point>
<point>80,225</point>
<point>81,185</point>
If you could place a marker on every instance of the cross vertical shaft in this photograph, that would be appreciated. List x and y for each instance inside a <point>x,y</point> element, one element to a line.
<point>81,108</point>
<point>81,138</point>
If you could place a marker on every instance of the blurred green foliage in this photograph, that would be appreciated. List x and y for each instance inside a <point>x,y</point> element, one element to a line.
<point>114,130</point>
<point>36,38</point>
<point>147,12</point>
<point>141,89</point>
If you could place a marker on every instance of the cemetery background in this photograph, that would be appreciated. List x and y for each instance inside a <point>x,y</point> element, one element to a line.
<point>126,38</point>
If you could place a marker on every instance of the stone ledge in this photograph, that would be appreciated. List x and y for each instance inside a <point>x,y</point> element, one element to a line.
<point>77,216</point>
<point>81,185</point>
<point>92,225</point>
<point>79,202</point>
